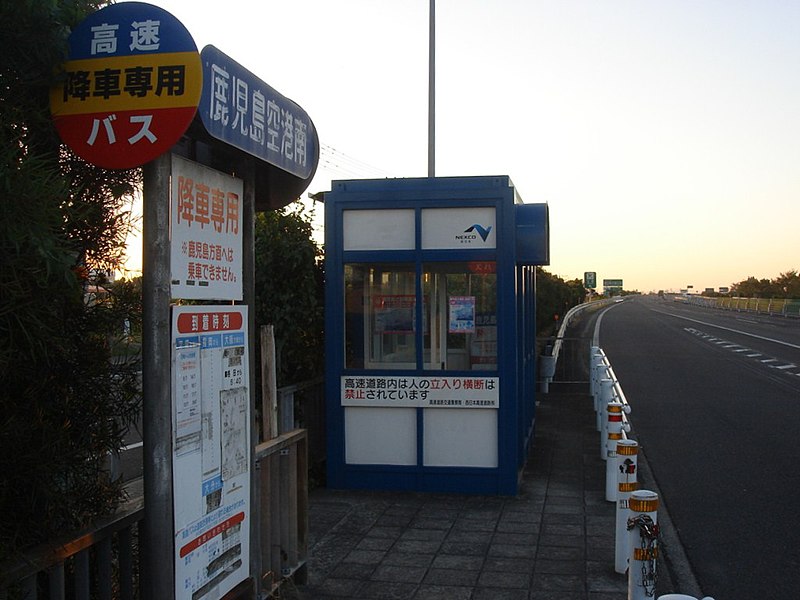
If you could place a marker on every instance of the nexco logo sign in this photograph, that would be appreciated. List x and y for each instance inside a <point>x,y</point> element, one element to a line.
<point>472,232</point>
<point>459,228</point>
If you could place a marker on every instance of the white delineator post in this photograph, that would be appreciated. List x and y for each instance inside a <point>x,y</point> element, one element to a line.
<point>613,435</point>
<point>606,396</point>
<point>681,597</point>
<point>595,359</point>
<point>627,464</point>
<point>643,531</point>
<point>599,372</point>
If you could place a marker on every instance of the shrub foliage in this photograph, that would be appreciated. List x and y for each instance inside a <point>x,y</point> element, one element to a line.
<point>289,290</point>
<point>65,400</point>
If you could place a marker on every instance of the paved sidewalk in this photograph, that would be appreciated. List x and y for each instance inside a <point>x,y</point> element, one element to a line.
<point>554,540</point>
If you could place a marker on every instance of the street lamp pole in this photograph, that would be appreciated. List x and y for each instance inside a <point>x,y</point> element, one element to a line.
<point>432,91</point>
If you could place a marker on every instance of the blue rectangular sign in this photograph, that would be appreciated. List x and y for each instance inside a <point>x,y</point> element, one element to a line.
<point>240,109</point>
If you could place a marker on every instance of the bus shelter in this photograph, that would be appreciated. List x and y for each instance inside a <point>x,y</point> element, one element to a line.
<point>430,332</point>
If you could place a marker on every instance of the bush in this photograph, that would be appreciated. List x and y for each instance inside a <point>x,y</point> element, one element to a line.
<point>66,402</point>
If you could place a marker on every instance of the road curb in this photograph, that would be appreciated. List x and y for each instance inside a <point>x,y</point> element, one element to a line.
<point>671,547</point>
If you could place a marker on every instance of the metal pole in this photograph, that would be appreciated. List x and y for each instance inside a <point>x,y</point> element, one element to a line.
<point>249,300</point>
<point>158,576</point>
<point>432,91</point>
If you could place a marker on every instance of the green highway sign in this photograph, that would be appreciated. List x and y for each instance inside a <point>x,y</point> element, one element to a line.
<point>612,283</point>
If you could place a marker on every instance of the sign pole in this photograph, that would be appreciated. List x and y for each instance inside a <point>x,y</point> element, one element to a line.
<point>158,580</point>
<point>249,299</point>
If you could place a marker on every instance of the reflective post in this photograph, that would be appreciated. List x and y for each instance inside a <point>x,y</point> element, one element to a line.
<point>643,531</point>
<point>606,396</point>
<point>627,463</point>
<point>613,435</point>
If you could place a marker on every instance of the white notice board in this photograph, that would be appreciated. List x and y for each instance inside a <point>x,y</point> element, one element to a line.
<point>205,232</point>
<point>211,450</point>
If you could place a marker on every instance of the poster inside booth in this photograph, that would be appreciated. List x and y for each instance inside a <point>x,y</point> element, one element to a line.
<point>211,449</point>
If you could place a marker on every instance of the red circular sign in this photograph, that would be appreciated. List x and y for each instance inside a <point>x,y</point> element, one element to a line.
<point>130,87</point>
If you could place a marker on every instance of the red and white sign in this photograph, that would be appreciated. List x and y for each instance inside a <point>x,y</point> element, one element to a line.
<point>473,391</point>
<point>206,233</point>
<point>130,87</point>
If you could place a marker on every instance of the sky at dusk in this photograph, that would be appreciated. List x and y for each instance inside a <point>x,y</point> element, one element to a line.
<point>664,135</point>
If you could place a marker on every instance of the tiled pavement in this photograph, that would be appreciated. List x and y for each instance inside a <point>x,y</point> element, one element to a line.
<point>554,540</point>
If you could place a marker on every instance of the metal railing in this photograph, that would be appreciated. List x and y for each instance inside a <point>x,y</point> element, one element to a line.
<point>576,346</point>
<point>637,532</point>
<point>102,561</point>
<point>302,406</point>
<point>99,562</point>
<point>784,307</point>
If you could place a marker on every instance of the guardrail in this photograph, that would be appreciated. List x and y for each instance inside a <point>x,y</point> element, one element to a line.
<point>611,410</point>
<point>548,361</point>
<point>769,306</point>
<point>637,528</point>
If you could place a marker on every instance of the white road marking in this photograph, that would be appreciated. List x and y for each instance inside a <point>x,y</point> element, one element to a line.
<point>740,332</point>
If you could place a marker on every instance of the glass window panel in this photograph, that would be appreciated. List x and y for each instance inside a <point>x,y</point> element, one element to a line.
<point>460,306</point>
<point>380,322</point>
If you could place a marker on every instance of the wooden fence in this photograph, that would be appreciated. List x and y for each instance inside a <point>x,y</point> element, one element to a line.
<point>102,562</point>
<point>99,562</point>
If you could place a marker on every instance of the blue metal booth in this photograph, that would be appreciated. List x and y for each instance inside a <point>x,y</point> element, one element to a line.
<point>431,333</point>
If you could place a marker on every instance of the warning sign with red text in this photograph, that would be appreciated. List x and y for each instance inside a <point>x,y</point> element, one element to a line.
<point>206,233</point>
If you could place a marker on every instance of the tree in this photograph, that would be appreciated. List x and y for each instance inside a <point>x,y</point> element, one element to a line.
<point>66,402</point>
<point>289,290</point>
<point>554,297</point>
<point>754,288</point>
<point>788,284</point>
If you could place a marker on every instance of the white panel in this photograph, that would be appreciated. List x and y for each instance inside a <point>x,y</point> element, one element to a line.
<point>206,257</point>
<point>380,436</point>
<point>466,227</point>
<point>471,392</point>
<point>460,438</point>
<point>387,229</point>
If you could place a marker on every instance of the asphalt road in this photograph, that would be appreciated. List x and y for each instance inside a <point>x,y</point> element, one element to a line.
<point>715,400</point>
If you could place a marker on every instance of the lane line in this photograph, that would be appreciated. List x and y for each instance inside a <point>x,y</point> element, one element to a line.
<point>596,336</point>
<point>752,335</point>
